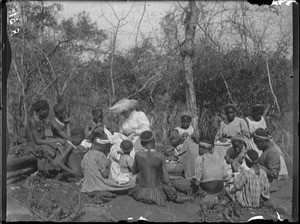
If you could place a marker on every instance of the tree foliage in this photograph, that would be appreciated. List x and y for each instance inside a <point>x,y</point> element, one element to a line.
<point>72,58</point>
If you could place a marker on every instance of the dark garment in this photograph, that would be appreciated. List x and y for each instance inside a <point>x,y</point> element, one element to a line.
<point>100,197</point>
<point>154,195</point>
<point>45,155</point>
<point>270,160</point>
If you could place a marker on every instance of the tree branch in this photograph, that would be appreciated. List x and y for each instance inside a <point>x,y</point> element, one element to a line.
<point>138,29</point>
<point>271,88</point>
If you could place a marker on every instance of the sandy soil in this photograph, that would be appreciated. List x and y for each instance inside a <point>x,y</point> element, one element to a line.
<point>38,200</point>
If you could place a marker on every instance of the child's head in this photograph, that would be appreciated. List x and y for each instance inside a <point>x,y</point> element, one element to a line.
<point>238,143</point>
<point>126,146</point>
<point>251,157</point>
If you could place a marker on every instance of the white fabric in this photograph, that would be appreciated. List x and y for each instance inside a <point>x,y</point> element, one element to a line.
<point>136,123</point>
<point>86,144</point>
<point>58,121</point>
<point>123,105</point>
<point>253,125</point>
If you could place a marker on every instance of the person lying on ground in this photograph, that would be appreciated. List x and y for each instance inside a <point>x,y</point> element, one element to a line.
<point>154,186</point>
<point>60,124</point>
<point>184,142</point>
<point>45,149</point>
<point>256,120</point>
<point>132,122</point>
<point>269,159</point>
<point>235,155</point>
<point>250,187</point>
<point>210,172</point>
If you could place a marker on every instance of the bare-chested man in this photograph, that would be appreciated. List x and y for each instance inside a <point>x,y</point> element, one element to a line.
<point>154,186</point>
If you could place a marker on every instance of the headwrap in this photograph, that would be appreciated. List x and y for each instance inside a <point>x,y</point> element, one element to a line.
<point>238,138</point>
<point>59,108</point>
<point>147,136</point>
<point>126,145</point>
<point>97,109</point>
<point>40,105</point>
<point>233,106</point>
<point>123,105</point>
<point>261,134</point>
<point>186,116</point>
<point>205,145</point>
<point>252,156</point>
<point>259,107</point>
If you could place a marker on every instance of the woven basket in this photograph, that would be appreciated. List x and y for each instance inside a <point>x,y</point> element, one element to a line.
<point>175,168</point>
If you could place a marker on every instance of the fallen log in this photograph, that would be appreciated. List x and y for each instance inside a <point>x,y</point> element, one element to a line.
<point>19,163</point>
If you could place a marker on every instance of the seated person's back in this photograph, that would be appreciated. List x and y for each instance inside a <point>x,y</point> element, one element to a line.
<point>149,164</point>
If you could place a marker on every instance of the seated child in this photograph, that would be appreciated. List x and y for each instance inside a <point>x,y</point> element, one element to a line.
<point>250,185</point>
<point>235,154</point>
<point>125,162</point>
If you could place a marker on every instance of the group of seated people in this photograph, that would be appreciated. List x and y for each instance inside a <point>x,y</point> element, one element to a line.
<point>243,159</point>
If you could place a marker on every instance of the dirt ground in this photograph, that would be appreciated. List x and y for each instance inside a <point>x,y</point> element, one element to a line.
<point>36,199</point>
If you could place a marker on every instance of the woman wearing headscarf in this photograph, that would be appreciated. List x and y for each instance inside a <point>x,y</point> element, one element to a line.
<point>256,120</point>
<point>231,126</point>
<point>60,125</point>
<point>132,122</point>
<point>270,158</point>
<point>184,143</point>
<point>43,148</point>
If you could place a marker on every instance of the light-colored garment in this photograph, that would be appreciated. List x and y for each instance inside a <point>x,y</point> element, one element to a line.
<point>189,158</point>
<point>237,127</point>
<point>190,131</point>
<point>136,123</point>
<point>251,187</point>
<point>253,125</point>
<point>92,162</point>
<point>209,168</point>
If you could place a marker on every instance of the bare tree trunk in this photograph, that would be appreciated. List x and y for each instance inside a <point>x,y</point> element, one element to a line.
<point>187,52</point>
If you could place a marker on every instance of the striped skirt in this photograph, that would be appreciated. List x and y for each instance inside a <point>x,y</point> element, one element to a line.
<point>154,195</point>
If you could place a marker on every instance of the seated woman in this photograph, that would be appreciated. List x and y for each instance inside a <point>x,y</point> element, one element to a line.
<point>185,145</point>
<point>45,149</point>
<point>60,125</point>
<point>256,120</point>
<point>154,186</point>
<point>132,122</point>
<point>235,155</point>
<point>96,171</point>
<point>250,185</point>
<point>210,171</point>
<point>270,158</point>
<point>231,126</point>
